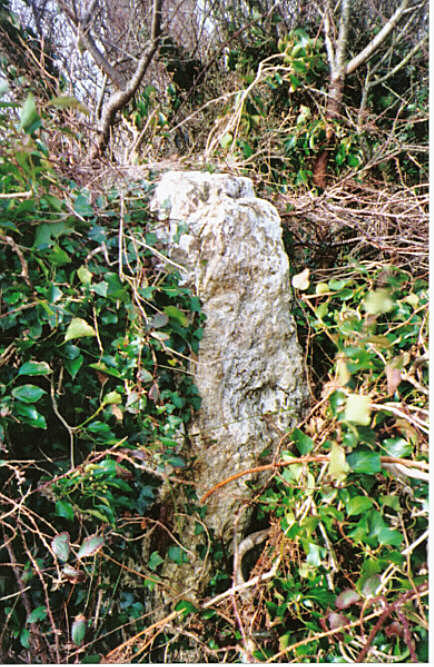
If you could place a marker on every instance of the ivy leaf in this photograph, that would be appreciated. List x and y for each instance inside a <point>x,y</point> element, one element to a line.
<point>177,554</point>
<point>371,585</point>
<point>28,393</point>
<point>84,275</point>
<point>303,442</point>
<point>338,466</point>
<point>358,505</point>
<point>90,546</point>
<point>82,207</point>
<point>29,117</point>
<point>155,560</point>
<point>78,328</point>
<point>37,614</point>
<point>357,409</point>
<point>347,598</point>
<point>301,280</point>
<point>364,461</point>
<point>64,509</point>
<point>61,546</point>
<point>112,398</point>
<point>378,302</point>
<point>186,607</point>
<point>397,447</point>
<point>176,314</point>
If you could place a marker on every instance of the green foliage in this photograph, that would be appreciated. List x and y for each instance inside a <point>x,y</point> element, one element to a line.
<point>357,513</point>
<point>94,395</point>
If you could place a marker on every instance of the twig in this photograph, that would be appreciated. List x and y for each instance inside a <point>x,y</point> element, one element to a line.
<point>304,459</point>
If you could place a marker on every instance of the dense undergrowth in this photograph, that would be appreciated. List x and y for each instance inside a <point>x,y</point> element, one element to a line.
<point>95,395</point>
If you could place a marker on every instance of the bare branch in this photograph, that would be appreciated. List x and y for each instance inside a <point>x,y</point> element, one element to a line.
<point>361,57</point>
<point>119,99</point>
<point>400,65</point>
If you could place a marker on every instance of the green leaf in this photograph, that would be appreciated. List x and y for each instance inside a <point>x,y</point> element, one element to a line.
<point>177,554</point>
<point>155,560</point>
<point>74,365</point>
<point>61,546</point>
<point>58,256</point>
<point>380,530</point>
<point>35,368</point>
<point>358,505</point>
<point>78,328</point>
<point>338,467</point>
<point>176,314</point>
<point>397,447</point>
<point>371,585</point>
<point>378,302</point>
<point>303,442</point>
<point>78,629</point>
<point>28,393</point>
<point>25,638</point>
<point>186,607</point>
<point>82,207</point>
<point>29,117</point>
<point>364,461</point>
<point>314,553</point>
<point>226,140</point>
<point>30,415</point>
<point>391,501</point>
<point>64,509</point>
<point>84,275</point>
<point>103,368</point>
<point>357,409</point>
<point>175,461</point>
<point>90,546</point>
<point>112,398</point>
<point>47,232</point>
<point>37,614</point>
<point>68,102</point>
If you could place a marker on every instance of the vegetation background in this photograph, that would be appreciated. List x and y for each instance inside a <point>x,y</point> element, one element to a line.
<point>324,106</point>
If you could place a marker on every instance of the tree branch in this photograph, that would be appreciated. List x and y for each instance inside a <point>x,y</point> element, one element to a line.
<point>404,61</point>
<point>361,57</point>
<point>119,99</point>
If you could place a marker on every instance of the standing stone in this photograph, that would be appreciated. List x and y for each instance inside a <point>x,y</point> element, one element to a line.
<point>229,244</point>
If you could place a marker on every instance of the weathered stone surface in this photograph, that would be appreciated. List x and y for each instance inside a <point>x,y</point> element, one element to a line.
<point>229,244</point>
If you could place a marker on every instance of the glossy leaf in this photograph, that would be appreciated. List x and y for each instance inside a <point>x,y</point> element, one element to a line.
<point>364,461</point>
<point>28,393</point>
<point>30,415</point>
<point>35,368</point>
<point>64,509</point>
